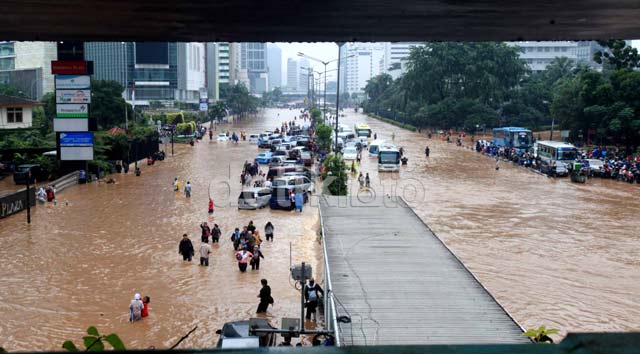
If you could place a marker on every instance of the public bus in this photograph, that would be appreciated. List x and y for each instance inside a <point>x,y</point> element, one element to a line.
<point>374,147</point>
<point>362,130</point>
<point>555,157</point>
<point>388,158</point>
<point>513,137</point>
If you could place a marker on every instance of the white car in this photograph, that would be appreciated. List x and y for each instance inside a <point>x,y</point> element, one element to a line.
<point>222,137</point>
<point>350,153</point>
<point>253,138</point>
<point>363,140</point>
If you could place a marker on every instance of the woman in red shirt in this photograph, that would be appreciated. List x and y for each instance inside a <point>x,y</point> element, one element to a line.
<point>145,302</point>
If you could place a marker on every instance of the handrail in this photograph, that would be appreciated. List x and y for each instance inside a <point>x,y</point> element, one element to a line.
<point>330,305</point>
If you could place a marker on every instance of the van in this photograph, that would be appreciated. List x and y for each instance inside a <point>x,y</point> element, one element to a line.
<point>374,147</point>
<point>254,198</point>
<point>253,138</point>
<point>281,197</point>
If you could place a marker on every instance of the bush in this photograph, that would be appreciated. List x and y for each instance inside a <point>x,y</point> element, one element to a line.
<point>186,128</point>
<point>395,122</point>
<point>175,118</point>
<point>335,170</point>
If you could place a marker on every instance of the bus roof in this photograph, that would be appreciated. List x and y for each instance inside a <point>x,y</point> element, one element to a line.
<point>362,126</point>
<point>388,148</point>
<point>512,129</point>
<point>555,144</point>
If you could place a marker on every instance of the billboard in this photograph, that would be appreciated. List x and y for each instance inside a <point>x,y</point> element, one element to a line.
<point>73,96</point>
<point>152,53</point>
<point>72,110</point>
<point>70,125</point>
<point>76,139</point>
<point>73,82</point>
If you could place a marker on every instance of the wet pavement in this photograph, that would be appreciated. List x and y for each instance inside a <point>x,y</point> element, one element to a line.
<point>551,252</point>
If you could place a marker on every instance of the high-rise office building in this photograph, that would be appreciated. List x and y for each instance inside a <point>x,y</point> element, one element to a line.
<point>292,75</point>
<point>361,62</point>
<point>253,59</point>
<point>274,63</point>
<point>147,70</point>
<point>191,71</point>
<point>303,84</point>
<point>27,66</point>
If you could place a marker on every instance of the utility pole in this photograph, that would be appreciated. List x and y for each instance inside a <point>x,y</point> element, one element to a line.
<point>28,198</point>
<point>338,94</point>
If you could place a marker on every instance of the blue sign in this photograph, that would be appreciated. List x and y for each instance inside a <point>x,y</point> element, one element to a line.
<point>76,139</point>
<point>204,100</point>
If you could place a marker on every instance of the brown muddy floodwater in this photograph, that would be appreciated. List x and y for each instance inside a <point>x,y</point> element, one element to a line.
<point>551,252</point>
<point>79,264</point>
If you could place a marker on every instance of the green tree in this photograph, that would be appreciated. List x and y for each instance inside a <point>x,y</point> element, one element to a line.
<point>107,104</point>
<point>335,176</point>
<point>618,54</point>
<point>217,111</point>
<point>9,90</point>
<point>323,137</point>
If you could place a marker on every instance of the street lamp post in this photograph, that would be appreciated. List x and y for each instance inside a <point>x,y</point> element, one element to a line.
<point>126,84</point>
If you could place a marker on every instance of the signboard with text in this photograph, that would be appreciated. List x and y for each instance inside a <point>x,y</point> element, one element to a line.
<point>73,96</point>
<point>70,125</point>
<point>72,110</point>
<point>76,139</point>
<point>73,82</point>
<point>71,67</point>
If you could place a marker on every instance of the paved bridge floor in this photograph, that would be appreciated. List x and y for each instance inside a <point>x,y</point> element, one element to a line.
<point>400,284</point>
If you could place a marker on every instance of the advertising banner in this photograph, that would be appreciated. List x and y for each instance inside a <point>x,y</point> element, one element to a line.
<point>70,125</point>
<point>73,82</point>
<point>71,67</point>
<point>72,110</point>
<point>76,139</point>
<point>73,96</point>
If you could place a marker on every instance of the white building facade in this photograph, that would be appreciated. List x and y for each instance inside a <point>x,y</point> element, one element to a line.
<point>191,71</point>
<point>274,63</point>
<point>538,55</point>
<point>361,62</point>
<point>292,75</point>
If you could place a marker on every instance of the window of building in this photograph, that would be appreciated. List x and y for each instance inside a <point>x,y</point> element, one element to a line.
<point>539,49</point>
<point>564,49</point>
<point>14,115</point>
<point>546,49</point>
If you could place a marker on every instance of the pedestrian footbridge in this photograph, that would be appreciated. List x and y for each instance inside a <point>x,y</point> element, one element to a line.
<point>391,281</point>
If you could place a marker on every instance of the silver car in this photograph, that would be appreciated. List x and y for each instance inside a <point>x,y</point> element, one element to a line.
<point>254,198</point>
<point>298,181</point>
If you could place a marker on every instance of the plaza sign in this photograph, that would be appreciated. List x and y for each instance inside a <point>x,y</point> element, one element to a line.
<point>73,82</point>
<point>76,139</point>
<point>73,96</point>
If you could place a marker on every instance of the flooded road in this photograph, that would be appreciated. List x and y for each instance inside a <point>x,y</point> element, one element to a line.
<point>79,264</point>
<point>552,252</point>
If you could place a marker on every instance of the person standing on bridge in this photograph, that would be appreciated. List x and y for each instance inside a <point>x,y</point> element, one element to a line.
<point>311,296</point>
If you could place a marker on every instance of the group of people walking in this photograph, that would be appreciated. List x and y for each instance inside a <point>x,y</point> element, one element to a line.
<point>177,186</point>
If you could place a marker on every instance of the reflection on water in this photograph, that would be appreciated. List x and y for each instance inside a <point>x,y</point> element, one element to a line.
<point>551,252</point>
<point>79,264</point>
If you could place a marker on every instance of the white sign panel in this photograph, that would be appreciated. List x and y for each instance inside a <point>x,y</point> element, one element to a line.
<point>73,82</point>
<point>70,125</point>
<point>80,153</point>
<point>73,96</point>
<point>72,110</point>
<point>204,92</point>
<point>204,107</point>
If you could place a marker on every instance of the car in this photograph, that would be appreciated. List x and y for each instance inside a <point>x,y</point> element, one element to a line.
<point>350,153</point>
<point>276,161</point>
<point>280,153</point>
<point>298,181</point>
<point>222,137</point>
<point>264,157</point>
<point>253,138</point>
<point>281,197</point>
<point>22,173</point>
<point>274,143</point>
<point>307,158</point>
<point>363,140</point>
<point>595,166</point>
<point>254,198</point>
<point>237,335</point>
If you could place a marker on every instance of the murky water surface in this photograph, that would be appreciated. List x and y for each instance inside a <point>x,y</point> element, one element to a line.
<point>551,252</point>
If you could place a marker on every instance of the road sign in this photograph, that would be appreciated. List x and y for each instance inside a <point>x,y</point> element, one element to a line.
<point>204,93</point>
<point>72,110</point>
<point>73,82</point>
<point>76,139</point>
<point>71,67</point>
<point>73,96</point>
<point>204,107</point>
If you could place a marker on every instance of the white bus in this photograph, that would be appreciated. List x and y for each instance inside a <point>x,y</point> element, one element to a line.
<point>374,147</point>
<point>388,158</point>
<point>555,157</point>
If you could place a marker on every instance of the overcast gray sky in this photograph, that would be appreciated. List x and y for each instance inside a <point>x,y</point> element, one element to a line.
<point>321,50</point>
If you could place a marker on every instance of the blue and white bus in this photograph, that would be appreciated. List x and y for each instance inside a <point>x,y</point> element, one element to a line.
<point>388,158</point>
<point>513,137</point>
<point>555,157</point>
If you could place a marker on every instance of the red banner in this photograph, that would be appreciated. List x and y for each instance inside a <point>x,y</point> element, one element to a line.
<point>70,67</point>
